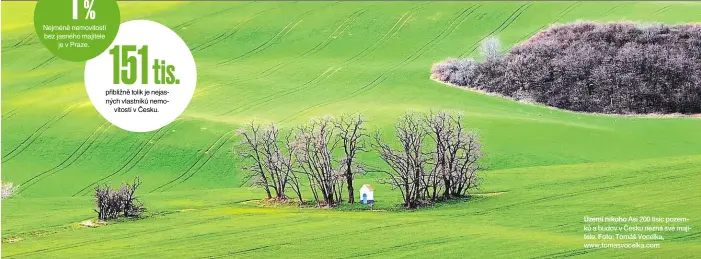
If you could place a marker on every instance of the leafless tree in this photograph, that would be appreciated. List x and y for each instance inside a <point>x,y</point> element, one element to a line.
<point>272,166</point>
<point>408,164</point>
<point>252,149</point>
<point>455,155</point>
<point>437,158</point>
<point>351,131</point>
<point>133,207</point>
<point>314,147</point>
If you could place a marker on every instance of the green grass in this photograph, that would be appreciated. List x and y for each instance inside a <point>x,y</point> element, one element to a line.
<point>286,62</point>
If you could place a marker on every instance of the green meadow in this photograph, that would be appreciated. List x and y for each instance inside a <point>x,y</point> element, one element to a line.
<point>287,62</point>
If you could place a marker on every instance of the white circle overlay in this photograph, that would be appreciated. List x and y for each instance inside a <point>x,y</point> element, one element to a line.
<point>146,107</point>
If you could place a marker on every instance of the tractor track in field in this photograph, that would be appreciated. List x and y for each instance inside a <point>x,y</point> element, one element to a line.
<point>202,160</point>
<point>44,63</point>
<point>72,158</point>
<point>43,83</point>
<point>559,16</point>
<point>134,158</point>
<point>26,41</point>
<point>148,232</point>
<point>424,243</point>
<point>10,114</point>
<point>346,233</point>
<point>687,237</point>
<point>128,169</point>
<point>187,23</point>
<point>506,23</point>
<point>101,239</point>
<point>336,33</point>
<point>452,26</point>
<point>228,33</point>
<point>253,229</point>
<point>661,10</point>
<point>36,134</point>
<point>381,41</point>
<point>565,254</point>
<point>565,195</point>
<point>275,39</point>
<point>392,31</point>
<point>266,44</point>
<point>261,101</point>
<point>613,9</point>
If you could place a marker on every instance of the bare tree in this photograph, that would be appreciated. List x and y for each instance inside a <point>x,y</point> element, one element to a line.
<point>351,131</point>
<point>133,207</point>
<point>437,159</point>
<point>272,166</point>
<point>290,167</point>
<point>252,149</point>
<point>314,148</point>
<point>455,154</point>
<point>408,163</point>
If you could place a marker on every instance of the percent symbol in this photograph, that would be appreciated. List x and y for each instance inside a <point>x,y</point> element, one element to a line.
<point>87,4</point>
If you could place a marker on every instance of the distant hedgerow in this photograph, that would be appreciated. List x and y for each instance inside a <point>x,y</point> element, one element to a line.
<point>622,68</point>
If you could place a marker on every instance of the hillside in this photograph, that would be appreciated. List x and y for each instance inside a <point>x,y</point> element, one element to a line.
<point>286,62</point>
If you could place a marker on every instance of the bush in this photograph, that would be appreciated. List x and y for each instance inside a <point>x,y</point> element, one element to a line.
<point>455,71</point>
<point>7,190</point>
<point>111,203</point>
<point>618,68</point>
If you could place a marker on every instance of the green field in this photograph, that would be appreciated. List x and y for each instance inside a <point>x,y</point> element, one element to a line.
<point>287,62</point>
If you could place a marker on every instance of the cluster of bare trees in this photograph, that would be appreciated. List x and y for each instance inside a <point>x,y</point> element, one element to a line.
<point>436,158</point>
<point>111,203</point>
<point>322,152</point>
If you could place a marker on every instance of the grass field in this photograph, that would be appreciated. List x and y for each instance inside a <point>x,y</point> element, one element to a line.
<point>286,62</point>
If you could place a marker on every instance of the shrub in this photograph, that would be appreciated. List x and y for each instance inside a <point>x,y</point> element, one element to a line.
<point>593,67</point>
<point>111,203</point>
<point>455,71</point>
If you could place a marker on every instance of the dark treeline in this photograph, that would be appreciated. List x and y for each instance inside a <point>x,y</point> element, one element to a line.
<point>432,157</point>
<point>621,68</point>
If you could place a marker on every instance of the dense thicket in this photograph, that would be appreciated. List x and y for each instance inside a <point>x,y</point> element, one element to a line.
<point>618,68</point>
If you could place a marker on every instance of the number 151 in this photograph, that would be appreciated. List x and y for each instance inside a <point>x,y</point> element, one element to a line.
<point>125,65</point>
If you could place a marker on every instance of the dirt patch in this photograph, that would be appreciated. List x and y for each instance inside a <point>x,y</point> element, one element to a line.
<point>12,240</point>
<point>91,223</point>
<point>488,194</point>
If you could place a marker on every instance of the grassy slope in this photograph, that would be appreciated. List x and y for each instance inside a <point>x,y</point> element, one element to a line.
<point>286,62</point>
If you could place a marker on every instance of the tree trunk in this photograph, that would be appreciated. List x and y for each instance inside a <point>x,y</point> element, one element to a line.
<point>349,181</point>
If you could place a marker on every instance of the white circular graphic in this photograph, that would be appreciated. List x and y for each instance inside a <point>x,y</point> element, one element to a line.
<point>144,80</point>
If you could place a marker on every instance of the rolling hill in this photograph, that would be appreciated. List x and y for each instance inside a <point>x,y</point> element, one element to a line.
<point>286,62</point>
